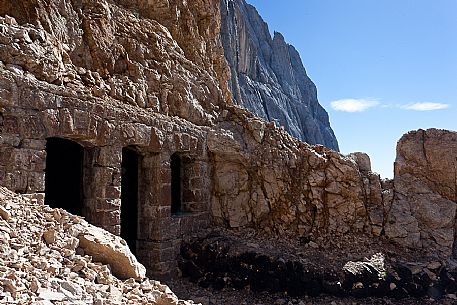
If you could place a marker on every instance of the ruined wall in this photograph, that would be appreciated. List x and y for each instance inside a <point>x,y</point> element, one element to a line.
<point>107,76</point>
<point>33,110</point>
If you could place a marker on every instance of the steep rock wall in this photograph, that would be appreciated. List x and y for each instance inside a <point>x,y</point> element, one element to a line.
<point>268,77</point>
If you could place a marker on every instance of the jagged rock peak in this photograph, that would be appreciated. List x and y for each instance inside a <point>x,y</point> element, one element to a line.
<point>268,77</point>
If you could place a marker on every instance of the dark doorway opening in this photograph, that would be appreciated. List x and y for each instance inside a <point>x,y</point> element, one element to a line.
<point>129,197</point>
<point>176,184</point>
<point>64,175</point>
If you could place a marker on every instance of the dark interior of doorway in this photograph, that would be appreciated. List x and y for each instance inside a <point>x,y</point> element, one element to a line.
<point>176,184</point>
<point>64,175</point>
<point>129,197</point>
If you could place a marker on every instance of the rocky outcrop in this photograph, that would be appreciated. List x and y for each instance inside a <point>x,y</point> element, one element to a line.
<point>424,209</point>
<point>265,178</point>
<point>268,78</point>
<point>43,262</point>
<point>109,50</point>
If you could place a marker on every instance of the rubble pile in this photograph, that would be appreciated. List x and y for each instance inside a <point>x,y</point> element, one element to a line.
<point>48,256</point>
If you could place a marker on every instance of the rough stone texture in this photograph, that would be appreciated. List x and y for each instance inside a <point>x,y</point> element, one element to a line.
<point>263,177</point>
<point>33,108</point>
<point>107,75</point>
<point>106,50</point>
<point>424,208</point>
<point>293,189</point>
<point>268,78</point>
<point>38,270</point>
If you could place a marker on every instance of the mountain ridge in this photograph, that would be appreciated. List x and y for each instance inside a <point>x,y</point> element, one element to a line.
<point>268,76</point>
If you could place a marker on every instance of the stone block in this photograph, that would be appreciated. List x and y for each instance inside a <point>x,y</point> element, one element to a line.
<point>6,156</point>
<point>36,182</point>
<point>112,191</point>
<point>51,121</point>
<point>10,124</point>
<point>107,204</point>
<point>156,140</point>
<point>165,175</point>
<point>34,144</point>
<point>81,121</point>
<point>191,195</point>
<point>197,183</point>
<point>29,159</point>
<point>165,195</point>
<point>111,218</point>
<point>105,133</point>
<point>135,134</point>
<point>66,122</point>
<point>32,127</point>
<point>8,92</point>
<point>193,145</point>
<point>108,156</point>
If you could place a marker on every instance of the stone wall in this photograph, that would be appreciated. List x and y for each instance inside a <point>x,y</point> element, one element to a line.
<point>30,115</point>
<point>61,77</point>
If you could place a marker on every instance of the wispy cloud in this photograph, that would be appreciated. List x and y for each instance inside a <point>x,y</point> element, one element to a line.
<point>353,105</point>
<point>425,106</point>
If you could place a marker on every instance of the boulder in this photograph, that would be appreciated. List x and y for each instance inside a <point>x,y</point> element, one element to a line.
<point>112,250</point>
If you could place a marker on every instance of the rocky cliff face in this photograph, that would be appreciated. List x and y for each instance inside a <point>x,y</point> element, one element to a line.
<point>123,50</point>
<point>267,180</point>
<point>268,77</point>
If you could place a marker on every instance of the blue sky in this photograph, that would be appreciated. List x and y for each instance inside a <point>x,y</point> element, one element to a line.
<point>382,67</point>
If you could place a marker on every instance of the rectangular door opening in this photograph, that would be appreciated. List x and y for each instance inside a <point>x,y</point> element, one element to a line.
<point>64,175</point>
<point>176,184</point>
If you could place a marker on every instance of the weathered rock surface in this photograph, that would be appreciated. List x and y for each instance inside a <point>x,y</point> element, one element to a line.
<point>268,78</point>
<point>105,49</point>
<point>292,189</point>
<point>424,208</point>
<point>265,178</point>
<point>42,261</point>
<point>150,74</point>
<point>112,250</point>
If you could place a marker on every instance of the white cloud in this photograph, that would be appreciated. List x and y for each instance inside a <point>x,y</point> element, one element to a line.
<point>425,106</point>
<point>353,105</point>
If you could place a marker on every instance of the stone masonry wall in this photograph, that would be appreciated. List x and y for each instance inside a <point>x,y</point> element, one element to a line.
<point>101,76</point>
<point>30,115</point>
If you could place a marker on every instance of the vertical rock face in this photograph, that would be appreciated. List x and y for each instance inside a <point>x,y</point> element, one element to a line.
<point>268,77</point>
<point>424,208</point>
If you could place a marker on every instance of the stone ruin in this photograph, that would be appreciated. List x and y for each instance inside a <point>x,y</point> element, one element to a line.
<point>89,159</point>
<point>136,132</point>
